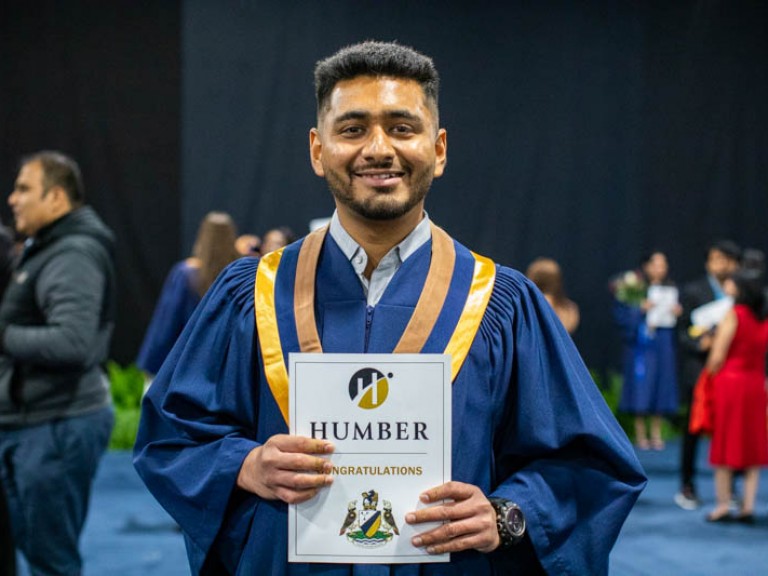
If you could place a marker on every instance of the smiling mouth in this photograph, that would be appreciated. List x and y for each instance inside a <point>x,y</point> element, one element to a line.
<point>379,175</point>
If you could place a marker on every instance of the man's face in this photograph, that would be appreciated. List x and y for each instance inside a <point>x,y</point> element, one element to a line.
<point>720,265</point>
<point>378,147</point>
<point>273,240</point>
<point>33,206</point>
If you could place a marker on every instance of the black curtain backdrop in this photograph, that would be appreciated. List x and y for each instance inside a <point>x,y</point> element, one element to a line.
<point>101,81</point>
<point>589,132</point>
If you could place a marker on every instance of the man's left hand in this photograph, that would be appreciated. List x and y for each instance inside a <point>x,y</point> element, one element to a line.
<point>469,520</point>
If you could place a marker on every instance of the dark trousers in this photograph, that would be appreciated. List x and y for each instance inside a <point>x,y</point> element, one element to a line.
<point>689,447</point>
<point>47,471</point>
<point>7,549</point>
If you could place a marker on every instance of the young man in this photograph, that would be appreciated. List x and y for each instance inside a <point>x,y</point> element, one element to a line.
<point>722,260</point>
<point>530,429</point>
<point>56,321</point>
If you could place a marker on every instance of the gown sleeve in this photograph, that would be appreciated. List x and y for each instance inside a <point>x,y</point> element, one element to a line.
<point>559,452</point>
<point>174,307</point>
<point>197,422</point>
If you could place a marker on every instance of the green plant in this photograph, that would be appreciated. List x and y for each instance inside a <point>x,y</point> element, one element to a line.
<point>610,386</point>
<point>127,387</point>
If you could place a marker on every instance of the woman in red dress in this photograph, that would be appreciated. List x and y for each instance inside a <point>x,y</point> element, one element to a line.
<point>737,363</point>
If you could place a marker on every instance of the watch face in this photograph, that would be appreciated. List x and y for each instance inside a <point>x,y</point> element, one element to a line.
<point>515,521</point>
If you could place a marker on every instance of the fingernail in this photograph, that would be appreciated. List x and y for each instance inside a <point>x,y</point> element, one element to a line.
<point>329,448</point>
<point>416,541</point>
<point>410,518</point>
<point>328,480</point>
<point>431,550</point>
<point>424,498</point>
<point>328,468</point>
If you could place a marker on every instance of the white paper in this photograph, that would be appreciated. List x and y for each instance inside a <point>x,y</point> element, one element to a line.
<point>662,312</point>
<point>393,442</point>
<point>709,315</point>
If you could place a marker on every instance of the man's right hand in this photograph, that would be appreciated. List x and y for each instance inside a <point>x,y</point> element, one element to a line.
<point>285,468</point>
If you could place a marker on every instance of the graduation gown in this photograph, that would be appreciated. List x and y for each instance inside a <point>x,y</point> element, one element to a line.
<point>529,424</point>
<point>175,306</point>
<point>650,364</point>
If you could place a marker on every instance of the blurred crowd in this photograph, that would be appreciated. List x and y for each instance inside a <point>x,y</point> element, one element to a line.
<point>695,355</point>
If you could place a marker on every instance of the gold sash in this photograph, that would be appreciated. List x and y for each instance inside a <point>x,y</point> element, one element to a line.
<point>417,331</point>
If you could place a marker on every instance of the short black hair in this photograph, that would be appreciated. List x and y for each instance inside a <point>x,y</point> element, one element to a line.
<point>371,58</point>
<point>59,170</point>
<point>727,247</point>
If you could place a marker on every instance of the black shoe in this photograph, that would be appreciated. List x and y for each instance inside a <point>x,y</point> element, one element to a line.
<point>745,518</point>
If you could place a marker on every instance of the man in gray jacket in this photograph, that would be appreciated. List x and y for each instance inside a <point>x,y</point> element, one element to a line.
<point>56,321</point>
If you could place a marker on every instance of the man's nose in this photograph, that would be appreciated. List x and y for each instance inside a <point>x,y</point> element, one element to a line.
<point>378,145</point>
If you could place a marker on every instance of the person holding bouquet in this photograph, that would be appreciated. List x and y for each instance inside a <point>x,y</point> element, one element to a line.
<point>646,310</point>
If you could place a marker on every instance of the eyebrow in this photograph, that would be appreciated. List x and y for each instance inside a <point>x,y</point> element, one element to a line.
<point>389,114</point>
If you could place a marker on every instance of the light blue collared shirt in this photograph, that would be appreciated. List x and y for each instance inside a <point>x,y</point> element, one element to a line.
<point>388,266</point>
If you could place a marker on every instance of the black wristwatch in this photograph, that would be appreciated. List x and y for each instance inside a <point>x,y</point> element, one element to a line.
<point>510,521</point>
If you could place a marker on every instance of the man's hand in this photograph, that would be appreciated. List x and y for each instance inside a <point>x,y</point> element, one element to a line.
<point>470,520</point>
<point>284,468</point>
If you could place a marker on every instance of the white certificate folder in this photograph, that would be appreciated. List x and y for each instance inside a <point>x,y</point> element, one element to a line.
<point>389,417</point>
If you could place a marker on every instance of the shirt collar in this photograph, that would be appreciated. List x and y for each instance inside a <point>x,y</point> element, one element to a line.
<point>415,240</point>
<point>717,289</point>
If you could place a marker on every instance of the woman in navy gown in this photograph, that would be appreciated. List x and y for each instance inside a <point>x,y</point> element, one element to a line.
<point>650,371</point>
<point>185,285</point>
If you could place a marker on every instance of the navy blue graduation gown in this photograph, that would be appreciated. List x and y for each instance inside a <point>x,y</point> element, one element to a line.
<point>650,364</point>
<point>174,307</point>
<point>528,422</point>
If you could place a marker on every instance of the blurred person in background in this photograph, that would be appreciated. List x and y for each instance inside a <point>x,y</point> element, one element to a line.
<point>546,274</point>
<point>276,239</point>
<point>185,285</point>
<point>248,245</point>
<point>722,260</point>
<point>754,259</point>
<point>7,256</point>
<point>7,548</point>
<point>56,323</point>
<point>650,363</point>
<point>736,363</point>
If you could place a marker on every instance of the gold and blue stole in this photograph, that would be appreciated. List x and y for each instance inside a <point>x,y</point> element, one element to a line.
<point>451,304</point>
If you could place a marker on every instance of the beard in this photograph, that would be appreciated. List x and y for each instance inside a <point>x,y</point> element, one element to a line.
<point>381,205</point>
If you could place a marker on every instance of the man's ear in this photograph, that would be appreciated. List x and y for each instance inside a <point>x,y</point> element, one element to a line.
<point>316,152</point>
<point>60,198</point>
<point>441,152</point>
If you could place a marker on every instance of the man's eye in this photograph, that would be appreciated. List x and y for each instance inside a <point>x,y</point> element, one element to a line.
<point>352,130</point>
<point>402,129</point>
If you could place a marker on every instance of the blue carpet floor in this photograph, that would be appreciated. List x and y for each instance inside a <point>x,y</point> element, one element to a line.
<point>128,534</point>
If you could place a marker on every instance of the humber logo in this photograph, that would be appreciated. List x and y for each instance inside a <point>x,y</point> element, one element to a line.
<point>369,388</point>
